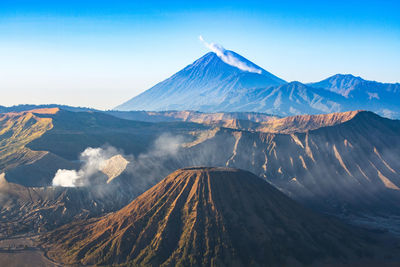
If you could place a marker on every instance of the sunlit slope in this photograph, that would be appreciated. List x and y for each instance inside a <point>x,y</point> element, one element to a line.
<point>303,123</point>
<point>16,131</point>
<point>251,121</point>
<point>207,217</point>
<point>286,125</point>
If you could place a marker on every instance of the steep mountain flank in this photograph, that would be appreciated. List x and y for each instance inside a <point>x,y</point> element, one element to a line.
<point>349,166</point>
<point>211,85</point>
<point>202,86</point>
<point>207,216</point>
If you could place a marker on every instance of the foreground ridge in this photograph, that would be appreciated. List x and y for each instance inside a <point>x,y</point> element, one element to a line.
<point>207,216</point>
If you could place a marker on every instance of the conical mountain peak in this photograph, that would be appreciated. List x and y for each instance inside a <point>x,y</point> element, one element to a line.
<point>202,217</point>
<point>204,85</point>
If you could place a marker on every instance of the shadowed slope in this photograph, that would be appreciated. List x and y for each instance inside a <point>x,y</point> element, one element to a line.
<point>206,216</point>
<point>39,209</point>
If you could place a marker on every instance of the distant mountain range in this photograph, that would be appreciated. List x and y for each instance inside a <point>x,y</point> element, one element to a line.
<point>211,85</point>
<point>382,98</point>
<point>27,107</point>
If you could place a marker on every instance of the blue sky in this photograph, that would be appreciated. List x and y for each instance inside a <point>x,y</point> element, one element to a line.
<point>101,53</point>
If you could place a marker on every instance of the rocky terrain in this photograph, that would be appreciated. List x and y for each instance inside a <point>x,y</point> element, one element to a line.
<point>209,216</point>
<point>343,164</point>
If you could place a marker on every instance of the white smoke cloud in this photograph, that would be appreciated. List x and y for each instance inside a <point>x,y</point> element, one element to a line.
<point>228,57</point>
<point>66,178</point>
<point>93,161</point>
<point>148,163</point>
<point>167,144</point>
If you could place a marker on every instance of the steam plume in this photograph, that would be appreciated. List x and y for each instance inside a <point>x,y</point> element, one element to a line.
<point>147,164</point>
<point>228,57</point>
<point>93,160</point>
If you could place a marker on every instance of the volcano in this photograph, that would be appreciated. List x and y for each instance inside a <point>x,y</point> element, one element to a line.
<point>207,217</point>
<point>203,85</point>
<point>231,83</point>
<point>211,84</point>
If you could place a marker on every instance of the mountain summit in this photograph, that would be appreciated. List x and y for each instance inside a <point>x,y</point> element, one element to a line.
<point>340,83</point>
<point>204,216</point>
<point>381,98</point>
<point>204,85</point>
<point>224,81</point>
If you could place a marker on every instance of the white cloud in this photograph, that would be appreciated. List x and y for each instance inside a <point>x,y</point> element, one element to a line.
<point>228,57</point>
